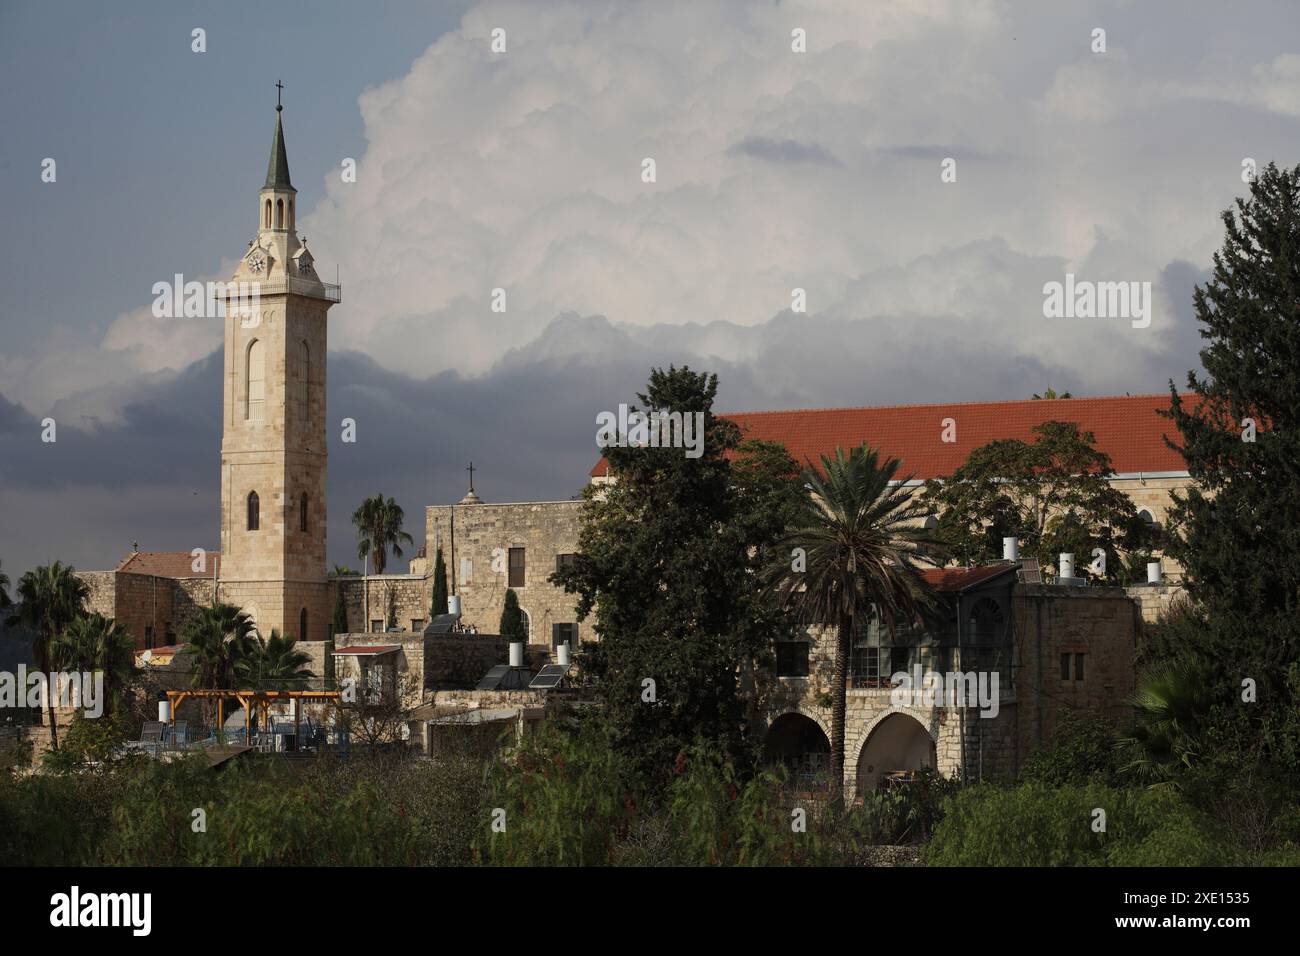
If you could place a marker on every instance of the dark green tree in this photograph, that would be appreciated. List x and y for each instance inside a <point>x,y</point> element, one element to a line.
<point>512,618</point>
<point>438,605</point>
<point>665,564</point>
<point>273,664</point>
<point>50,597</point>
<point>1237,530</point>
<point>91,643</point>
<point>1052,493</point>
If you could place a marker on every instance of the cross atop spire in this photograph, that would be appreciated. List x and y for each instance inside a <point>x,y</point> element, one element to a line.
<point>279,87</point>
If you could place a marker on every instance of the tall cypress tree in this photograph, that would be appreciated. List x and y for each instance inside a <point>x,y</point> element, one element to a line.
<point>439,603</point>
<point>1238,531</point>
<point>512,618</point>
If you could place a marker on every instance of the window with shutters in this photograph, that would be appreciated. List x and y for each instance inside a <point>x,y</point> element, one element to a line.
<point>516,568</point>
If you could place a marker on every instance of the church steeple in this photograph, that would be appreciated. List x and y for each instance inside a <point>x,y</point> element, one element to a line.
<point>277,170</point>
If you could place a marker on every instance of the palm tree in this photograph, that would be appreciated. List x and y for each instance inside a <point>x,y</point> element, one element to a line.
<point>273,664</point>
<point>93,642</point>
<point>1172,701</point>
<point>379,527</point>
<point>854,544</point>
<point>51,598</point>
<point>4,590</point>
<point>219,636</point>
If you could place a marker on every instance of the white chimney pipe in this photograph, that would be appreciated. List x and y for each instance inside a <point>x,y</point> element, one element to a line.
<point>165,711</point>
<point>1067,565</point>
<point>562,654</point>
<point>1011,549</point>
<point>1153,572</point>
<point>516,655</point>
<point>453,605</point>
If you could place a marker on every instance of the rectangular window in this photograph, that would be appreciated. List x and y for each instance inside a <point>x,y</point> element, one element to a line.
<point>899,659</point>
<point>792,659</point>
<point>564,634</point>
<point>1078,667</point>
<point>376,627</point>
<point>466,570</point>
<point>148,636</point>
<point>417,625</point>
<point>516,568</point>
<point>563,561</point>
<point>1065,667</point>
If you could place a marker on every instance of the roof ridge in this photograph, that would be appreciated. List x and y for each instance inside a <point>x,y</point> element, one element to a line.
<point>1007,401</point>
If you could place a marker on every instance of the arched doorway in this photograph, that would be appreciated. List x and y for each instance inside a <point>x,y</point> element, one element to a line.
<point>899,742</point>
<point>797,742</point>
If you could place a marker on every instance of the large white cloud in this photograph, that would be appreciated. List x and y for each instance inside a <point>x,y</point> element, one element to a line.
<point>779,170</point>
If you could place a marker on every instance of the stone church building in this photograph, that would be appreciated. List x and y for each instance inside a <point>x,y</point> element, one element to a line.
<point>1059,647</point>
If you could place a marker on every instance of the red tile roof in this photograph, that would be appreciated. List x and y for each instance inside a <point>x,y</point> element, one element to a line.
<point>170,564</point>
<point>1126,427</point>
<point>366,650</point>
<point>959,579</point>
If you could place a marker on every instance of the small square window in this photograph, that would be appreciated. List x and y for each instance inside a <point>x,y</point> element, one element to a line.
<point>563,561</point>
<point>376,627</point>
<point>417,625</point>
<point>792,659</point>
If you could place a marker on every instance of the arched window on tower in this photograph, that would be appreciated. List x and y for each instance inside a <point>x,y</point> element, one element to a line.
<point>304,365</point>
<point>254,511</point>
<point>302,625</point>
<point>302,513</point>
<point>279,214</point>
<point>266,218</point>
<point>255,381</point>
<point>290,213</point>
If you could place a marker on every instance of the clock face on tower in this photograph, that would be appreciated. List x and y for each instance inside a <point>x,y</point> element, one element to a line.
<point>257,262</point>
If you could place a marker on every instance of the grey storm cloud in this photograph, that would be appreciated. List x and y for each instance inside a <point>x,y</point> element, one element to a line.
<point>528,424</point>
<point>784,151</point>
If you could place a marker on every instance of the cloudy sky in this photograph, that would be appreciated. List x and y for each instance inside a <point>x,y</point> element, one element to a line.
<point>522,170</point>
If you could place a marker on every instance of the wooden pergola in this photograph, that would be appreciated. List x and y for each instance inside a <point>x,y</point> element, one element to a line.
<point>261,699</point>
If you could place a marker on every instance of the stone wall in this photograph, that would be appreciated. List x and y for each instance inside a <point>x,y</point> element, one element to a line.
<point>1102,624</point>
<point>1046,621</point>
<point>367,601</point>
<point>1154,600</point>
<point>477,561</point>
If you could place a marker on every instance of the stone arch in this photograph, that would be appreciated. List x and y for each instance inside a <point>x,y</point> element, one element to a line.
<point>279,214</point>
<point>266,220</point>
<point>898,739</point>
<point>802,744</point>
<point>254,380</point>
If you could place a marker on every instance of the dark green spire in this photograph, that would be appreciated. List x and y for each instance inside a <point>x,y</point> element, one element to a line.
<point>277,170</point>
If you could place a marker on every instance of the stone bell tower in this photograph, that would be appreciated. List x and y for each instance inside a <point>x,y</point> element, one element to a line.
<point>273,447</point>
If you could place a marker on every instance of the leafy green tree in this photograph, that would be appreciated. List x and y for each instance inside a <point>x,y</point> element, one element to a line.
<point>664,564</point>
<point>93,642</point>
<point>438,604</point>
<point>850,554</point>
<point>1049,393</point>
<point>512,618</point>
<point>51,598</point>
<point>379,528</point>
<point>1083,751</point>
<point>1235,528</point>
<point>1052,493</point>
<point>5,600</point>
<point>272,664</point>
